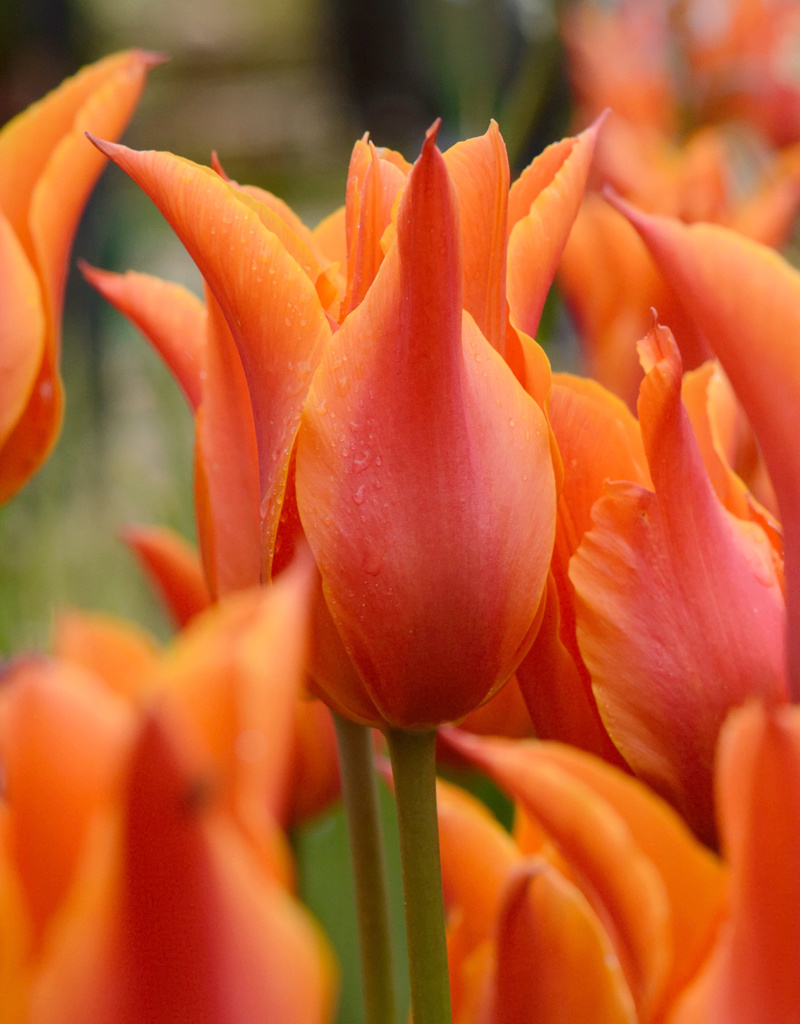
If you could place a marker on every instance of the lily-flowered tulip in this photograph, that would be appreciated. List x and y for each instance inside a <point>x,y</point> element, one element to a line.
<point>132,772</point>
<point>601,907</point>
<point>746,300</point>
<point>679,602</point>
<point>46,175</point>
<point>282,284</point>
<point>424,479</point>
<point>753,972</point>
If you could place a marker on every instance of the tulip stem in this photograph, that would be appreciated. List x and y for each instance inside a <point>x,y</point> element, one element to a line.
<point>360,796</point>
<point>413,757</point>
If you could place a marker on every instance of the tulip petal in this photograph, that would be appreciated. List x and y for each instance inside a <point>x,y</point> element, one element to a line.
<point>424,479</point>
<point>598,440</point>
<point>746,299</point>
<point>554,961</point>
<point>227,498</point>
<point>174,569</point>
<point>754,972</point>
<point>620,881</point>
<point>480,173</point>
<point>63,737</point>
<point>680,612</point>
<point>175,921</point>
<point>172,319</point>
<point>271,306</point>
<point>120,654</point>
<point>46,174</point>
<point>543,204</point>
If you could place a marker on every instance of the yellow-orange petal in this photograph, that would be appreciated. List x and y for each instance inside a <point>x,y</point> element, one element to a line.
<point>268,300</point>
<point>424,479</point>
<point>543,204</point>
<point>46,174</point>
<point>680,613</point>
<point>171,317</point>
<point>120,654</point>
<point>63,737</point>
<point>480,173</point>
<point>174,569</point>
<point>22,329</point>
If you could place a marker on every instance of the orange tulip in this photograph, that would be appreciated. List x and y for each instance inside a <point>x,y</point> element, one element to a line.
<point>602,906</point>
<point>172,917</point>
<point>424,479</point>
<point>746,300</point>
<point>46,174</point>
<point>680,608</point>
<point>501,281</point>
<point>753,972</point>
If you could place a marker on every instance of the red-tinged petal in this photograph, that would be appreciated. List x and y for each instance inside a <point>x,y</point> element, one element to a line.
<point>22,329</point>
<point>122,655</point>
<point>680,613</point>
<point>554,962</point>
<point>754,972</point>
<point>424,479</point>
<point>174,919</point>
<point>618,878</point>
<point>271,306</point>
<point>172,319</point>
<point>506,714</point>
<point>228,504</point>
<point>598,439</point>
<point>725,438</point>
<point>746,299</point>
<point>480,173</point>
<point>173,568</point>
<point>543,204</point>
<point>63,737</point>
<point>556,686</point>
<point>15,935</point>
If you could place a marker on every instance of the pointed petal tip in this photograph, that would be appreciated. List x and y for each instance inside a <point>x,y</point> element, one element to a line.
<point>432,134</point>
<point>153,58</point>
<point>640,220</point>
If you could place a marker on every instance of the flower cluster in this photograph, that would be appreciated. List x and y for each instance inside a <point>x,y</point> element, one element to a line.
<point>407,522</point>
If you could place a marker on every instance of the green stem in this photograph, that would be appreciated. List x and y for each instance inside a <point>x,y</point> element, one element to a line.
<point>414,766</point>
<point>360,795</point>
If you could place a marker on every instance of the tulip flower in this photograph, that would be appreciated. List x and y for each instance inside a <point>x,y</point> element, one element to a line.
<point>173,918</point>
<point>601,907</point>
<point>542,203</point>
<point>746,300</point>
<point>424,479</point>
<point>680,608</point>
<point>753,971</point>
<point>46,175</point>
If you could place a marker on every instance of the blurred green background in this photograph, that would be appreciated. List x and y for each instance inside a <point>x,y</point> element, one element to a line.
<point>281,89</point>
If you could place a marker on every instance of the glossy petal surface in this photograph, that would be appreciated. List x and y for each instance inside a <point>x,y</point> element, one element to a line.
<point>424,479</point>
